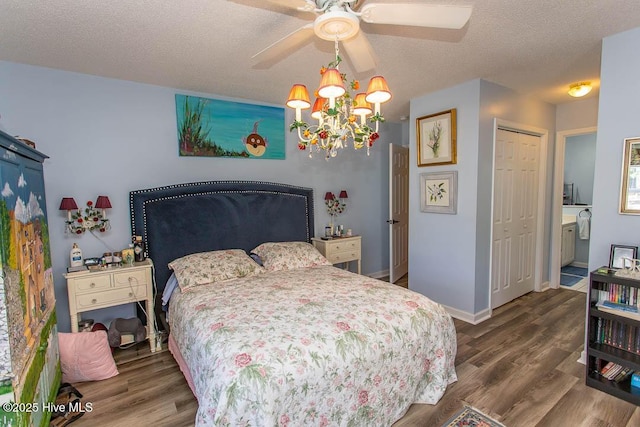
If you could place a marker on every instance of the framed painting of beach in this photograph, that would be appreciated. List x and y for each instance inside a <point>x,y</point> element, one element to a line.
<point>217,128</point>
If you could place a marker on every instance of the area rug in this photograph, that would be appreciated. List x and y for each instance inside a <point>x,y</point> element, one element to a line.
<point>471,417</point>
<point>569,280</point>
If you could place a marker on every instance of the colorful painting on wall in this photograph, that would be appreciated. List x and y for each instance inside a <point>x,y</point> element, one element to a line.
<point>216,128</point>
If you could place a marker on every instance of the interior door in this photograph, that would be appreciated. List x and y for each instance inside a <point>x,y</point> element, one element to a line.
<point>517,163</point>
<point>398,212</point>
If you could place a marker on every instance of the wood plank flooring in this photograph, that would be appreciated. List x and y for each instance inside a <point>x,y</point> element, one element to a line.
<point>519,367</point>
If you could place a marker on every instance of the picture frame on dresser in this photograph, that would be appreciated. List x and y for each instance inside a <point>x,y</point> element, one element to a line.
<point>621,255</point>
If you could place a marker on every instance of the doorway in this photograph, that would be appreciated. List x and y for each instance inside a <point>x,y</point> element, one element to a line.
<point>569,201</point>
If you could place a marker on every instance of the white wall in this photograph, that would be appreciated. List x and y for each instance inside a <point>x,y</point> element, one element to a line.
<point>617,120</point>
<point>108,137</point>
<point>449,254</point>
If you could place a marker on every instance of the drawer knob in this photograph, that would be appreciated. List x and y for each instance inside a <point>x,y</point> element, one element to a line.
<point>93,301</point>
<point>130,294</point>
<point>92,285</point>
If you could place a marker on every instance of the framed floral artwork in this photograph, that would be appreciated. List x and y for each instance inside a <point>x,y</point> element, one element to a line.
<point>436,135</point>
<point>439,192</point>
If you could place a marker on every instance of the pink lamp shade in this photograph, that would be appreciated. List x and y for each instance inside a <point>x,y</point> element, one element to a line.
<point>68,204</point>
<point>329,196</point>
<point>343,194</point>
<point>103,202</point>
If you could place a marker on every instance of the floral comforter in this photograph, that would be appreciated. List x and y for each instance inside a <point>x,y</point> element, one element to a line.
<point>311,347</point>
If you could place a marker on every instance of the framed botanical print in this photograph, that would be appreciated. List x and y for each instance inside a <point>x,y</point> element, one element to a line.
<point>436,134</point>
<point>439,192</point>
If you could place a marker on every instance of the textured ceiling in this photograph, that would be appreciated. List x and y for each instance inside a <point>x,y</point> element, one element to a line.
<point>536,47</point>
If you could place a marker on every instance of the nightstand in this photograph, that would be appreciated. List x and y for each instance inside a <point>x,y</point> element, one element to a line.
<point>340,249</point>
<point>91,290</point>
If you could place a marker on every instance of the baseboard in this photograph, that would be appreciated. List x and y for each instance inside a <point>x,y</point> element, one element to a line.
<point>474,319</point>
<point>379,274</point>
<point>579,264</point>
<point>545,286</point>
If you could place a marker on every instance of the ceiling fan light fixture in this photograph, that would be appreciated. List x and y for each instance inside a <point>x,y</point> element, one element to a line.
<point>336,24</point>
<point>579,89</point>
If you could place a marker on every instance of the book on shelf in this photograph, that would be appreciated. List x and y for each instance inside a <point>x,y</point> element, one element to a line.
<point>619,309</point>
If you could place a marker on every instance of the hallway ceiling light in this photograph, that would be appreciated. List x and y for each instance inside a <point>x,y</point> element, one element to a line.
<point>579,89</point>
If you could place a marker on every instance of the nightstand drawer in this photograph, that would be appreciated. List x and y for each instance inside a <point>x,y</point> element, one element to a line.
<point>338,257</point>
<point>346,246</point>
<point>129,278</point>
<point>108,298</point>
<point>92,284</point>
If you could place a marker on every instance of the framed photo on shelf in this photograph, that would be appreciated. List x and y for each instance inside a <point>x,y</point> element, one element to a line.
<point>439,192</point>
<point>436,135</point>
<point>619,252</point>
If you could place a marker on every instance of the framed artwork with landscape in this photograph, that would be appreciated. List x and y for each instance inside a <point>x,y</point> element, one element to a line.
<point>436,134</point>
<point>439,192</point>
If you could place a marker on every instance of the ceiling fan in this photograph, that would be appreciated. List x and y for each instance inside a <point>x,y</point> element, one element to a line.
<point>339,20</point>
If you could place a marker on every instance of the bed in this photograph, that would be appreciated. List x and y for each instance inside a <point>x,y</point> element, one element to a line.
<point>295,341</point>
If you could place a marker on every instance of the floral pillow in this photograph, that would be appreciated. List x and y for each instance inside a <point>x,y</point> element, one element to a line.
<point>289,255</point>
<point>215,266</point>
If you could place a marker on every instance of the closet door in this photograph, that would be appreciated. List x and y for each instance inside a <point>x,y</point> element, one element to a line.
<point>517,163</point>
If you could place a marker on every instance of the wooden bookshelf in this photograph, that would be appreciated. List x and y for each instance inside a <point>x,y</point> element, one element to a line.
<point>613,337</point>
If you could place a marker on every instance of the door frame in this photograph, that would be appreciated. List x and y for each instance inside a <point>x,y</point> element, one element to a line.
<point>543,134</point>
<point>556,212</point>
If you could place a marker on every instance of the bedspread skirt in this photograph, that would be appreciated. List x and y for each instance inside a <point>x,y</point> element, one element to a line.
<point>311,347</point>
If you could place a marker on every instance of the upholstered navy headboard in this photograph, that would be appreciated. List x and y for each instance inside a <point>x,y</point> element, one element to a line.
<point>181,219</point>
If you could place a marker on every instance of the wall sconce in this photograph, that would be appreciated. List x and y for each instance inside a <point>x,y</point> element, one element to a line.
<point>335,205</point>
<point>92,218</point>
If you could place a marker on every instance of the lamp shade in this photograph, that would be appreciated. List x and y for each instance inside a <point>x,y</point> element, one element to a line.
<point>298,97</point>
<point>579,89</point>
<point>378,90</point>
<point>68,204</point>
<point>103,202</point>
<point>329,196</point>
<point>361,106</point>
<point>331,85</point>
<point>316,112</point>
<point>343,194</point>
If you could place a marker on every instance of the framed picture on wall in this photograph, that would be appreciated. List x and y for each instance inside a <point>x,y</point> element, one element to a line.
<point>630,187</point>
<point>439,192</point>
<point>436,135</point>
<point>621,255</point>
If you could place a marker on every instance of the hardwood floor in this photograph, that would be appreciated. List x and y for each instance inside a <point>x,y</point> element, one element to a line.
<point>519,367</point>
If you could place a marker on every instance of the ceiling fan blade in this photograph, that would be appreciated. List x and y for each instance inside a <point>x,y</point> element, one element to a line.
<point>301,5</point>
<point>285,45</point>
<point>419,15</point>
<point>360,52</point>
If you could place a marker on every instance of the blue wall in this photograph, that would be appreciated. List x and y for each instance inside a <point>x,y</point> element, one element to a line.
<point>617,120</point>
<point>449,255</point>
<point>108,137</point>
